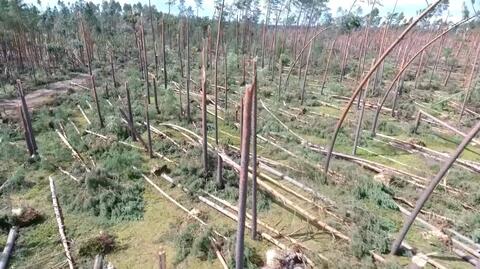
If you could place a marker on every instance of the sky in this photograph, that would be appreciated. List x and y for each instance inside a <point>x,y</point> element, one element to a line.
<point>408,7</point>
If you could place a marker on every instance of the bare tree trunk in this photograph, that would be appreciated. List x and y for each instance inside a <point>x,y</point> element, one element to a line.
<point>364,80</point>
<point>97,102</point>
<point>450,69</point>
<point>437,57</point>
<point>203,79</point>
<point>254,153</point>
<point>326,67</point>
<point>305,77</point>
<point>61,227</point>
<point>149,134</point>
<point>144,47</point>
<point>469,84</point>
<point>155,94</point>
<point>112,66</point>
<point>220,183</point>
<point>360,116</point>
<point>130,114</point>
<point>164,55</point>
<point>219,29</point>
<point>154,39</point>
<point>8,250</point>
<point>187,54</point>
<point>27,120</point>
<point>242,197</point>
<point>225,63</point>
<point>419,71</point>
<point>429,190</point>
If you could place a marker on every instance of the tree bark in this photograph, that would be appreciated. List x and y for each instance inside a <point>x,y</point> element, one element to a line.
<point>97,102</point>
<point>203,79</point>
<point>245,147</point>
<point>219,29</point>
<point>61,227</point>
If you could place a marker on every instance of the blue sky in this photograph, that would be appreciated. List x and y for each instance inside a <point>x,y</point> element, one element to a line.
<point>408,7</point>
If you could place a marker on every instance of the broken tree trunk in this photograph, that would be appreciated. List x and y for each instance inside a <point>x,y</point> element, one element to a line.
<point>302,98</point>
<point>130,114</point>
<point>61,227</point>
<point>112,66</point>
<point>220,183</point>
<point>155,94</point>
<point>28,122</point>
<point>217,45</point>
<point>187,55</point>
<point>326,67</point>
<point>97,102</point>
<point>149,134</point>
<point>254,152</point>
<point>144,48</point>
<point>242,200</point>
<point>164,56</point>
<point>8,250</point>
<point>28,140</point>
<point>203,79</point>
<point>429,190</point>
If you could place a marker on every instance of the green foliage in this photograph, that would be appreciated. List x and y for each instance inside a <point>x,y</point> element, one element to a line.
<point>101,244</point>
<point>104,196</point>
<point>118,160</point>
<point>367,189</point>
<point>371,233</point>
<point>194,240</point>
<point>389,128</point>
<point>18,181</point>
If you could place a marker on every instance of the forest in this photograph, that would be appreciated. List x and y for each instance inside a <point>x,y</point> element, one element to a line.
<point>264,134</point>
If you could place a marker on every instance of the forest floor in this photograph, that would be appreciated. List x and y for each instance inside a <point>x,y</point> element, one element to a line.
<point>45,95</point>
<point>142,221</point>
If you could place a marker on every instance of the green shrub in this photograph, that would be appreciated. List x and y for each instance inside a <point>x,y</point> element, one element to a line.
<point>194,240</point>
<point>104,196</point>
<point>366,188</point>
<point>370,233</point>
<point>101,244</point>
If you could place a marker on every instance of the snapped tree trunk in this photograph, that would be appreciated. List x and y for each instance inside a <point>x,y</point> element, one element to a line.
<point>254,152</point>
<point>219,29</point>
<point>97,102</point>
<point>130,114</point>
<point>242,197</point>
<point>203,79</point>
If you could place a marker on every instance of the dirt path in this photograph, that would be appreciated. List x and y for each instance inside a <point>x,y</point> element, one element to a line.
<point>42,96</point>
